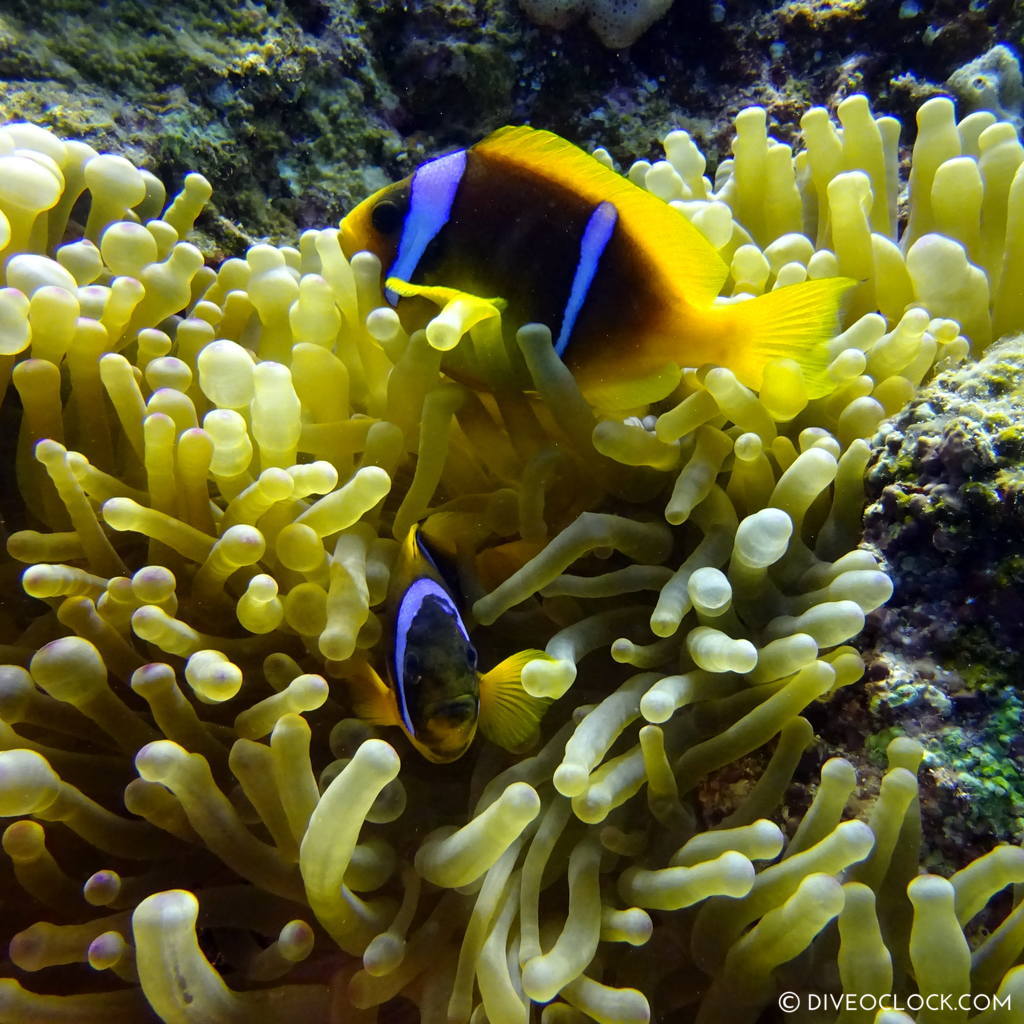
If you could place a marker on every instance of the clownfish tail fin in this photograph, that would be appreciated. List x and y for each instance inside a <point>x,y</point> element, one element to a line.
<point>794,322</point>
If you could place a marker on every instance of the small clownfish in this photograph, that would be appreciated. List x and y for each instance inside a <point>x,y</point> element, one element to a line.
<point>625,282</point>
<point>435,691</point>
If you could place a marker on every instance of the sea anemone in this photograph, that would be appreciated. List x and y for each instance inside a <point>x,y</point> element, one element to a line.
<point>211,469</point>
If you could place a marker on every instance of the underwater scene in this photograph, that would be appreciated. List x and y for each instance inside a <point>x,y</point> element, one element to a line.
<point>512,511</point>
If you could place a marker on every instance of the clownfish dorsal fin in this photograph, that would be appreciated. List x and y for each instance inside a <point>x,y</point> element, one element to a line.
<point>372,700</point>
<point>509,716</point>
<point>409,549</point>
<point>439,538</point>
<point>406,565</point>
<point>440,532</point>
<point>416,557</point>
<point>682,253</point>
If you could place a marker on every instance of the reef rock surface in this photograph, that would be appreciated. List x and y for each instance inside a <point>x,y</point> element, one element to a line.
<point>945,656</point>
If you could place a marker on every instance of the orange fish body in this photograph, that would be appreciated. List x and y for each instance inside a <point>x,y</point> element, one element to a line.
<point>625,282</point>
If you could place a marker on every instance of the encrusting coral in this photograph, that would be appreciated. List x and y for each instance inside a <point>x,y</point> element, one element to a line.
<point>212,467</point>
<point>992,82</point>
<point>947,519</point>
<point>617,23</point>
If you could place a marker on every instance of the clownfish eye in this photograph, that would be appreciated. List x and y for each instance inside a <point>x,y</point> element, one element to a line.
<point>386,217</point>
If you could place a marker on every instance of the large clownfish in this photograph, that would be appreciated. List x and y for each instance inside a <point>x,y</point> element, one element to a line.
<point>435,691</point>
<point>625,283</point>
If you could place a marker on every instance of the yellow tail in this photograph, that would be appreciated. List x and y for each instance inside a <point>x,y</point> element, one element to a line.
<point>795,322</point>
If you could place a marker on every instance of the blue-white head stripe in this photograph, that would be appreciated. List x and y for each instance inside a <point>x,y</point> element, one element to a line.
<point>596,236</point>
<point>408,609</point>
<point>430,205</point>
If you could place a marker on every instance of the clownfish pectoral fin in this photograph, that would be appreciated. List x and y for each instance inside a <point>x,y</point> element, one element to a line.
<point>460,311</point>
<point>509,716</point>
<point>441,295</point>
<point>371,699</point>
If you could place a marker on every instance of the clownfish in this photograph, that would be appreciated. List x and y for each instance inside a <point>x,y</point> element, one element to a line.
<point>626,284</point>
<point>434,690</point>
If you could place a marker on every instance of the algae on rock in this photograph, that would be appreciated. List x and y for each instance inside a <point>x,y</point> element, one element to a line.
<point>948,517</point>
